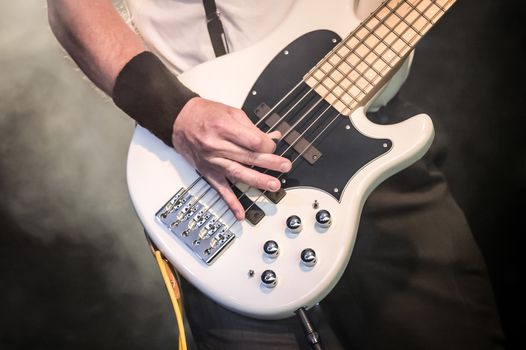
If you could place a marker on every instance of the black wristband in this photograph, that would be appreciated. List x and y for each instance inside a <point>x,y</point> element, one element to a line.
<point>149,93</point>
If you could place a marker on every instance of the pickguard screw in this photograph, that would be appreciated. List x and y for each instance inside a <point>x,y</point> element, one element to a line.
<point>334,40</point>
<point>286,52</point>
<point>348,127</point>
<point>251,273</point>
<point>314,157</point>
<point>254,92</point>
<point>385,145</point>
<point>315,205</point>
<point>336,190</point>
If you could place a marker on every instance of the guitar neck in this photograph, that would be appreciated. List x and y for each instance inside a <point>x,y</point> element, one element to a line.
<point>352,73</point>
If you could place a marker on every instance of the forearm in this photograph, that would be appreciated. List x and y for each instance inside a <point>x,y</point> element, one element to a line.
<point>95,36</point>
<point>220,141</point>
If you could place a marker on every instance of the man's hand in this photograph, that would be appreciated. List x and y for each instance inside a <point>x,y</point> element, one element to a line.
<point>223,144</point>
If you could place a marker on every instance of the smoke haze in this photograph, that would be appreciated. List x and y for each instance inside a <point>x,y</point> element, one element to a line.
<point>64,200</point>
<point>75,270</point>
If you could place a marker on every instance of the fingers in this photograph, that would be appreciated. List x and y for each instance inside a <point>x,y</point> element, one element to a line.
<point>274,135</point>
<point>250,138</point>
<point>246,134</point>
<point>262,160</point>
<point>223,188</point>
<point>223,144</point>
<point>236,172</point>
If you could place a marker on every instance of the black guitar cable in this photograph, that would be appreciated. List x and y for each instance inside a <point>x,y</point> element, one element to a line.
<point>310,333</point>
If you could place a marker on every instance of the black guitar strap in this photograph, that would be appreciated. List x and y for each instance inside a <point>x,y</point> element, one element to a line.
<point>215,28</point>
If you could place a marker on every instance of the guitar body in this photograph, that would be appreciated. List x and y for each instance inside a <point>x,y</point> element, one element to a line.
<point>356,155</point>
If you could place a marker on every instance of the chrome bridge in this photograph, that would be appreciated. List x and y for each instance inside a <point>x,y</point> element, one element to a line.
<point>195,225</point>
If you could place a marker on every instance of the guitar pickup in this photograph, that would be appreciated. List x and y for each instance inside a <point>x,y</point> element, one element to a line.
<point>275,197</point>
<point>300,144</point>
<point>253,213</point>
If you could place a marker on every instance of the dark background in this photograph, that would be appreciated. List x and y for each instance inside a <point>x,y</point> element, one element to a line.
<point>75,271</point>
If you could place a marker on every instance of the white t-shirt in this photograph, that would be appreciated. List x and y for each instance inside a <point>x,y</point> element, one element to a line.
<point>176,30</point>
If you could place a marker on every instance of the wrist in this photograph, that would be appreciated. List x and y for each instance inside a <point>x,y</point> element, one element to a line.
<point>149,93</point>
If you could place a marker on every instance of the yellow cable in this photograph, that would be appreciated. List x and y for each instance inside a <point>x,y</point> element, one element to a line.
<point>175,296</point>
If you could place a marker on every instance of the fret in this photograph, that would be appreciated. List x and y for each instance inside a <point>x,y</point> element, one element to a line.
<point>382,13</point>
<point>361,33</point>
<point>420,7</point>
<point>343,99</point>
<point>418,22</point>
<point>343,51</point>
<point>442,4</point>
<point>345,68</point>
<point>403,10</point>
<point>326,67</point>
<point>406,32</point>
<point>336,75</point>
<point>371,23</point>
<point>354,76</point>
<point>404,16</point>
<point>371,41</point>
<point>393,22</point>
<point>390,38</point>
<point>382,31</point>
<point>422,13</point>
<point>353,70</point>
<point>369,58</point>
<point>445,4</point>
<point>379,47</point>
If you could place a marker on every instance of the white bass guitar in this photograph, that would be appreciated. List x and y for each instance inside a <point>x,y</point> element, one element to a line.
<point>306,81</point>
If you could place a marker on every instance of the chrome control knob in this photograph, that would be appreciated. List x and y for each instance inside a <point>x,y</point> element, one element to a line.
<point>271,248</point>
<point>269,279</point>
<point>308,257</point>
<point>294,224</point>
<point>323,218</point>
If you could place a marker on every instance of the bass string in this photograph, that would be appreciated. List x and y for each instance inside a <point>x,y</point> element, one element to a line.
<point>244,193</point>
<point>340,80</point>
<point>282,118</point>
<point>334,67</point>
<point>300,137</point>
<point>201,177</point>
<point>344,59</point>
<point>262,119</point>
<point>317,84</point>
<point>293,161</point>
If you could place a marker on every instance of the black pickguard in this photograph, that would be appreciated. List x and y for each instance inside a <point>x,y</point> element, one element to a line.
<point>344,149</point>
